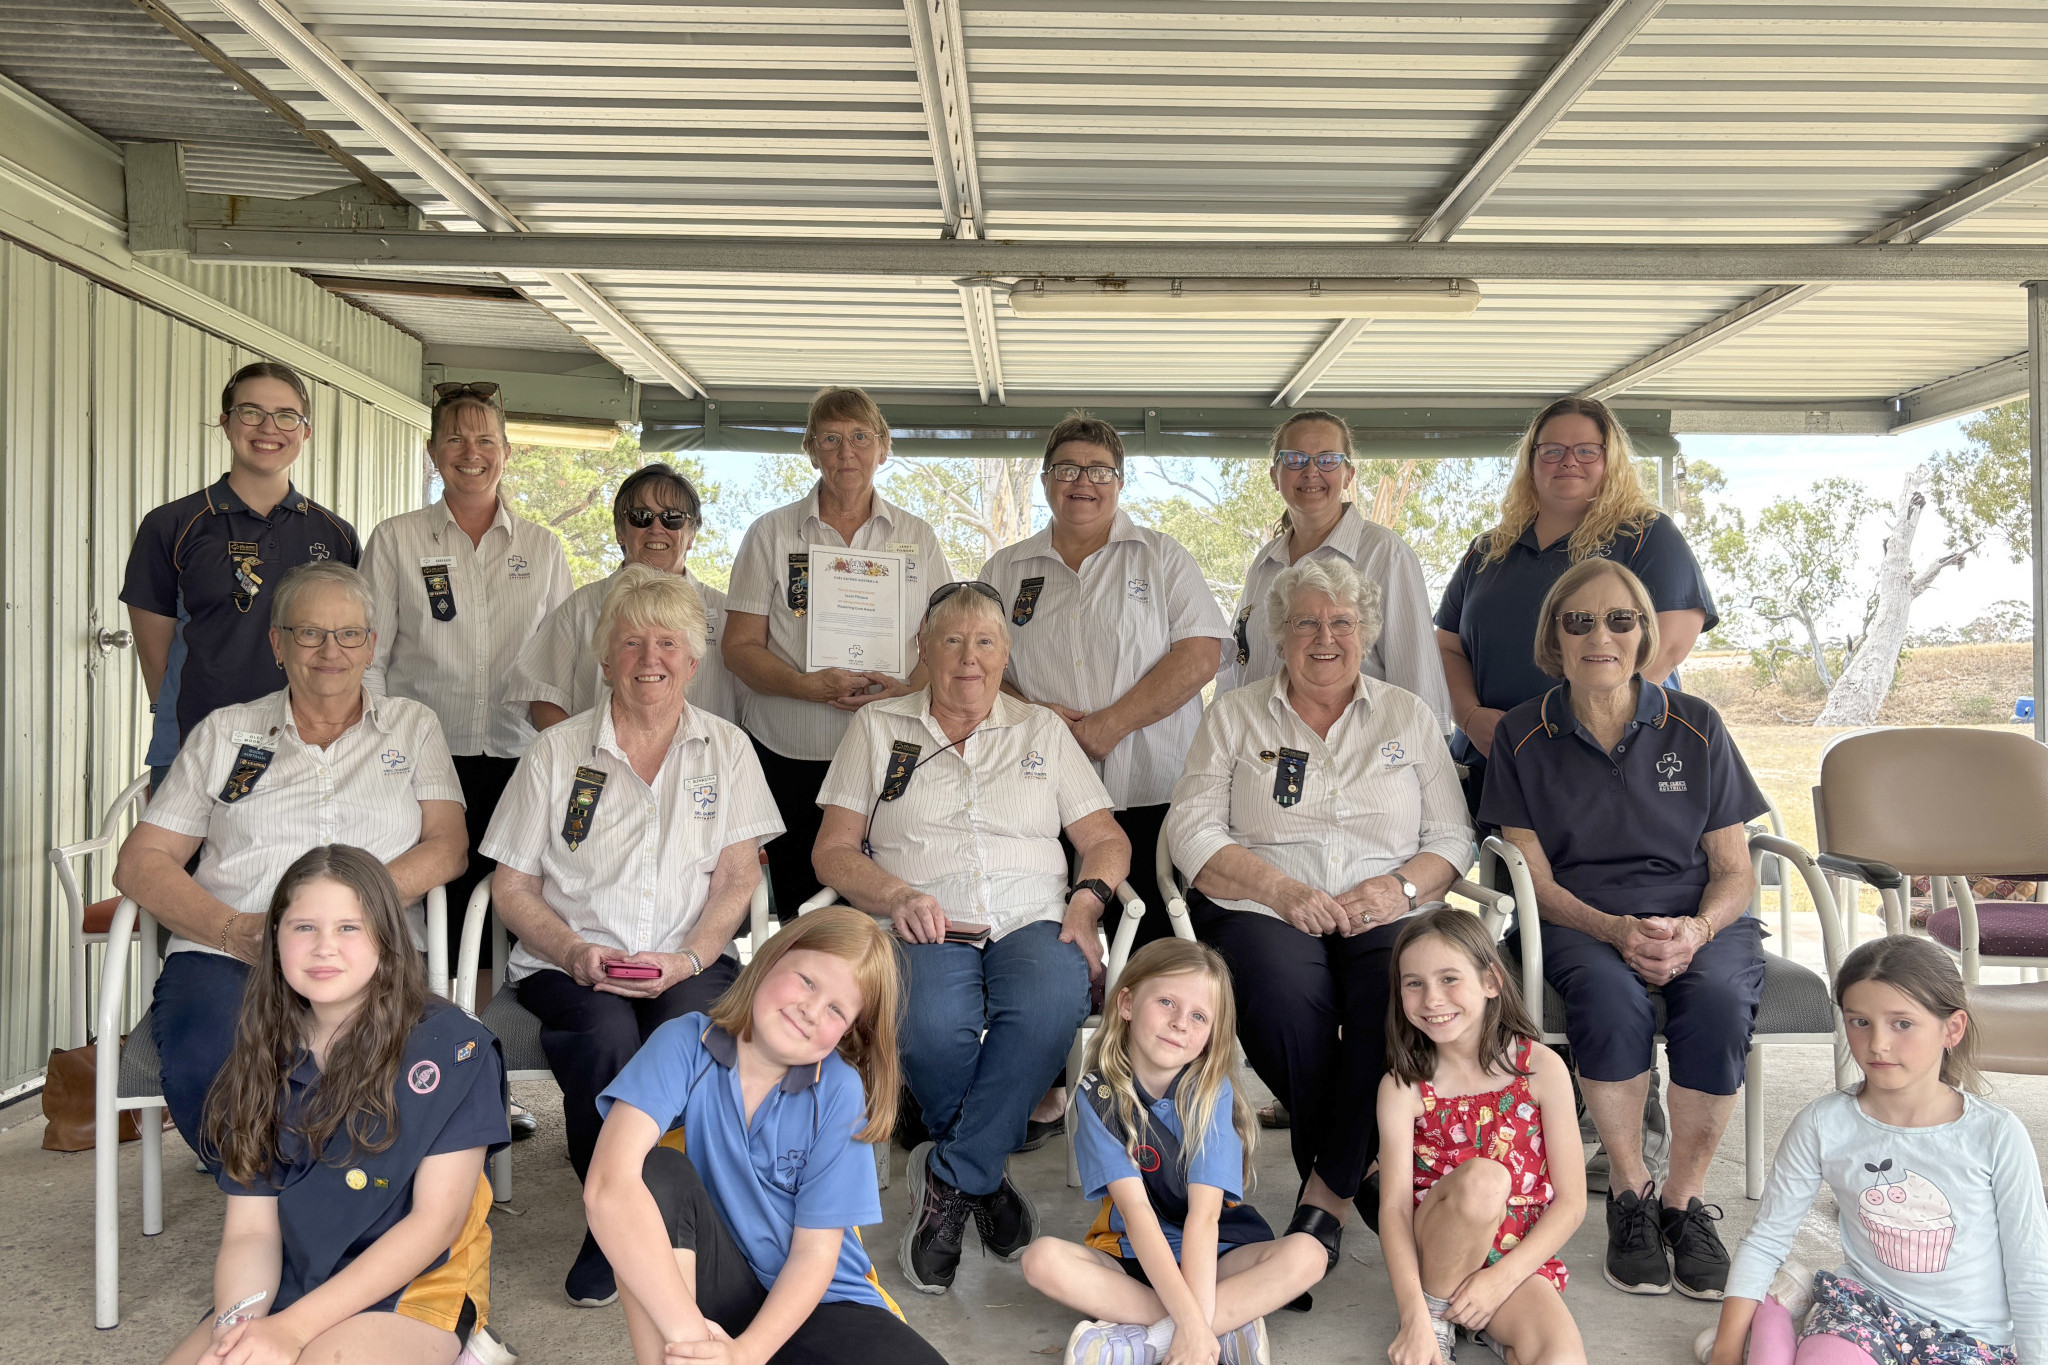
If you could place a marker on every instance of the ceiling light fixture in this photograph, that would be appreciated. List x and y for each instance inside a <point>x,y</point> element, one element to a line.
<point>1231,298</point>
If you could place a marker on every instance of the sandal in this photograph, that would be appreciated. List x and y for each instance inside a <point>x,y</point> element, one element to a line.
<point>1275,1115</point>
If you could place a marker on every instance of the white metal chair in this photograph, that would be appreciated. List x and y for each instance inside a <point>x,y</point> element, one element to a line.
<point>1796,1005</point>
<point>129,1076</point>
<point>87,924</point>
<point>517,1031</point>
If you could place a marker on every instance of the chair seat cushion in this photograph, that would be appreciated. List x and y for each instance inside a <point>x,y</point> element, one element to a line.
<point>517,1030</point>
<point>99,916</point>
<point>2004,928</point>
<point>141,1073</point>
<point>1795,998</point>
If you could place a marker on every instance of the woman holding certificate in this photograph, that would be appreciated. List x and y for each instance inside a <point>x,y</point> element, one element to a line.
<point>816,631</point>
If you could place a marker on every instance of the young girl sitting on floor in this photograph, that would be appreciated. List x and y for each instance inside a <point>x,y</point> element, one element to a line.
<point>1174,1269</point>
<point>1943,1233</point>
<point>748,1247</point>
<point>1483,1115</point>
<point>351,1122</point>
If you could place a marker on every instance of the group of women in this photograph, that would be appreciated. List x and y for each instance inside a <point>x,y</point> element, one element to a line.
<point>622,760</point>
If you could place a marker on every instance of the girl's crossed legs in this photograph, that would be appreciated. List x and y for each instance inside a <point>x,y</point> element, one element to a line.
<point>1251,1281</point>
<point>1454,1230</point>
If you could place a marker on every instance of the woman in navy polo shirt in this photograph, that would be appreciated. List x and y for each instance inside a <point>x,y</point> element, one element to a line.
<point>1574,495</point>
<point>1628,800</point>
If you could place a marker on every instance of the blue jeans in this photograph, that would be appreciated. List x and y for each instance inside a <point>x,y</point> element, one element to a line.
<point>198,1003</point>
<point>1029,991</point>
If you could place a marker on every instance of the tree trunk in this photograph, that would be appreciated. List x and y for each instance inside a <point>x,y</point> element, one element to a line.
<point>1859,693</point>
<point>1005,500</point>
<point>1816,651</point>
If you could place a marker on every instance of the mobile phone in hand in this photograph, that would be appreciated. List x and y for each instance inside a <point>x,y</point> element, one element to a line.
<point>958,932</point>
<point>631,971</point>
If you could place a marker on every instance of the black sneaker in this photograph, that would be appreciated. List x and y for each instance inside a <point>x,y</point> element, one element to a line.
<point>930,1251</point>
<point>1006,1221</point>
<point>1635,1244</point>
<point>590,1283</point>
<point>1699,1263</point>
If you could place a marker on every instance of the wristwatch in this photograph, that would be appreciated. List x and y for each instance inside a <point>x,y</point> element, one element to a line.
<point>1095,887</point>
<point>1408,890</point>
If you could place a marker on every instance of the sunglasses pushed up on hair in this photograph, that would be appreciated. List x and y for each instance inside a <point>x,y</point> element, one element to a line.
<point>1621,620</point>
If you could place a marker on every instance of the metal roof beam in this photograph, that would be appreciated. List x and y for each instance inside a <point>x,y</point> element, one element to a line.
<point>1944,211</point>
<point>1600,43</point>
<point>1972,391</point>
<point>996,261</point>
<point>1320,360</point>
<point>285,38</point>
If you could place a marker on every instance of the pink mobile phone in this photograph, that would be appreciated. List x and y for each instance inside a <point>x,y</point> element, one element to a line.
<point>959,932</point>
<point>632,971</point>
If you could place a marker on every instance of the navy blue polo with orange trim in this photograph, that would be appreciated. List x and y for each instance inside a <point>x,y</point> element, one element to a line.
<point>210,563</point>
<point>1621,830</point>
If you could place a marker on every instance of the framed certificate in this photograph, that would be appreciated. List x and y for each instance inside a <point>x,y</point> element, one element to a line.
<point>856,611</point>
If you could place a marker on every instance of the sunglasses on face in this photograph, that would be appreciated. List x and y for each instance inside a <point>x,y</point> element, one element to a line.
<point>644,517</point>
<point>1622,620</point>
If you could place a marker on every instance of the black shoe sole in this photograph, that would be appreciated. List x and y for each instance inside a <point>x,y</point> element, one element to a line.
<point>1037,1133</point>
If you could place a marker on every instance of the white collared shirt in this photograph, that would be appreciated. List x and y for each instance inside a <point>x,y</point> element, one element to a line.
<point>365,789</point>
<point>1405,654</point>
<point>1089,637</point>
<point>811,730</point>
<point>1378,791</point>
<point>978,827</point>
<point>560,666</point>
<point>501,588</point>
<point>640,876</point>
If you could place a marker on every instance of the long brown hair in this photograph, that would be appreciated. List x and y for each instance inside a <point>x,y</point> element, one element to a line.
<point>1621,504</point>
<point>1195,1102</point>
<point>1411,1056</point>
<point>870,1040</point>
<point>1926,975</point>
<point>245,1108</point>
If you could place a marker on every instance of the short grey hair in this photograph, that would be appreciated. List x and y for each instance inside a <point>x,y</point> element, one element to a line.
<point>965,602</point>
<point>1335,577</point>
<point>646,597</point>
<point>320,573</point>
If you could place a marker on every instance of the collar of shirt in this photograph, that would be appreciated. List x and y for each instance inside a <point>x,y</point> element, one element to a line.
<point>221,498</point>
<point>879,509</point>
<point>690,726</point>
<point>440,526</point>
<point>1006,712</point>
<point>1653,708</point>
<point>725,1050</point>
<point>1281,705</point>
<point>287,723</point>
<point>1039,546</point>
<point>1347,538</point>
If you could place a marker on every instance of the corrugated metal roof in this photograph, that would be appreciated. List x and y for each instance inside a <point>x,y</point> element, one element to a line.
<point>117,71</point>
<point>1800,121</point>
<point>516,324</point>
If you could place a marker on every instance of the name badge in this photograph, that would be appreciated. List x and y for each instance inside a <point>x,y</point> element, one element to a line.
<point>582,805</point>
<point>440,589</point>
<point>800,583</point>
<point>908,549</point>
<point>242,558</point>
<point>1290,775</point>
<point>902,763</point>
<point>1244,650</point>
<point>251,760</point>
<point>1027,601</point>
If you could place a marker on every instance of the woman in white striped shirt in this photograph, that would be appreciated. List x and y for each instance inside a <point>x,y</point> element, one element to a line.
<point>1317,809</point>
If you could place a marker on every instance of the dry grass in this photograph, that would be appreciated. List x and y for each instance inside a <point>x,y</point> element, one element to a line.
<point>1941,685</point>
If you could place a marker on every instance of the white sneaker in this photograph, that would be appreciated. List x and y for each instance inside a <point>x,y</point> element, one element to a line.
<point>1246,1345</point>
<point>485,1347</point>
<point>1109,1343</point>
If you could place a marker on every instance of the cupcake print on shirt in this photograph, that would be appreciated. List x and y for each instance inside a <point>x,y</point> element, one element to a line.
<point>1907,1219</point>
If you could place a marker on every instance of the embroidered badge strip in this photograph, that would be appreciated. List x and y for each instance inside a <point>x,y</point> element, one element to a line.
<point>1027,601</point>
<point>440,591</point>
<point>902,763</point>
<point>1290,774</point>
<point>1244,649</point>
<point>250,762</point>
<point>800,583</point>
<point>582,805</point>
<point>242,555</point>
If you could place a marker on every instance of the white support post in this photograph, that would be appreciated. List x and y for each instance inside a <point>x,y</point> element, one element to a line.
<point>2037,438</point>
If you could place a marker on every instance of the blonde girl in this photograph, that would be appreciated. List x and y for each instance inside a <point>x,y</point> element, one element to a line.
<point>1175,1269</point>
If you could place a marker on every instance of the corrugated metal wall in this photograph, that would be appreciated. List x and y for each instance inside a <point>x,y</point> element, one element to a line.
<point>104,413</point>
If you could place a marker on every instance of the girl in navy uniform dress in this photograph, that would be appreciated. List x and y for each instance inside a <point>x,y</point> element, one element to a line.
<point>735,1167</point>
<point>1175,1269</point>
<point>351,1124</point>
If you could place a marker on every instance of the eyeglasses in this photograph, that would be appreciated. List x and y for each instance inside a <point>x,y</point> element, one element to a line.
<point>1622,621</point>
<point>1308,627</point>
<point>644,517</point>
<point>1300,459</point>
<point>449,392</point>
<point>860,438</point>
<point>1585,454</point>
<point>1097,473</point>
<point>946,590</point>
<point>249,415</point>
<point>313,637</point>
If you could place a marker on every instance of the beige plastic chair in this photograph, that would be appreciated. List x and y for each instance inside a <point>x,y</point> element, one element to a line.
<point>1946,803</point>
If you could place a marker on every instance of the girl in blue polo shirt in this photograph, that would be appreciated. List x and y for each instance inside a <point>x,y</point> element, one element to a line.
<point>737,1236</point>
<point>1175,1269</point>
<point>351,1123</point>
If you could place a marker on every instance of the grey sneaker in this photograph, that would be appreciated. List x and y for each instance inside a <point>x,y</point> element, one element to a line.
<point>1109,1343</point>
<point>1246,1345</point>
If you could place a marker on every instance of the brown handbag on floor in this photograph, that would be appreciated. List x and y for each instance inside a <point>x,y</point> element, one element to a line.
<point>68,1101</point>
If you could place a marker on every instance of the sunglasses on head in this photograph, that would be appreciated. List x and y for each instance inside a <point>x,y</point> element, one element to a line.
<point>644,517</point>
<point>946,590</point>
<point>1621,621</point>
<point>449,392</point>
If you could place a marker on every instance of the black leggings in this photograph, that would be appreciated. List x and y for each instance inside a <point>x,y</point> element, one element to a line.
<point>728,1292</point>
<point>795,784</point>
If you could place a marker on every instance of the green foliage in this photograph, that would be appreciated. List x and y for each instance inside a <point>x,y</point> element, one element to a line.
<point>570,492</point>
<point>1981,710</point>
<point>1983,492</point>
<point>1793,567</point>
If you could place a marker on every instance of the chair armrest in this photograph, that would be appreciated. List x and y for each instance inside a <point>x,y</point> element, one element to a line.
<point>1833,942</point>
<point>1126,935</point>
<point>1883,876</point>
<point>1485,897</point>
<point>1163,870</point>
<point>437,941</point>
<point>759,925</point>
<point>472,945</point>
<point>114,985</point>
<point>826,896</point>
<point>1527,920</point>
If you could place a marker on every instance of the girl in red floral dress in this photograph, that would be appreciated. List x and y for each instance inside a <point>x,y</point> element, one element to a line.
<point>1477,1109</point>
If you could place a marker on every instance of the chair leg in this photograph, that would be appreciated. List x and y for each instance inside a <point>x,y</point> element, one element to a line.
<point>1753,1125</point>
<point>106,1222</point>
<point>152,1120</point>
<point>501,1176</point>
<point>1074,1059</point>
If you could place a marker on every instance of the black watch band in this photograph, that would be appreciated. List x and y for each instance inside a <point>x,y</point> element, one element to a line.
<point>1096,887</point>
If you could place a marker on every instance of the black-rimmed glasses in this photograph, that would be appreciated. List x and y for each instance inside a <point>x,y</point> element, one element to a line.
<point>249,415</point>
<point>1621,621</point>
<point>314,637</point>
<point>1589,453</point>
<point>1096,473</point>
